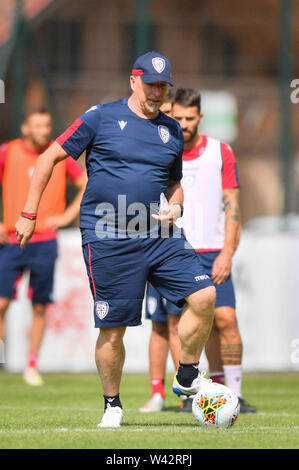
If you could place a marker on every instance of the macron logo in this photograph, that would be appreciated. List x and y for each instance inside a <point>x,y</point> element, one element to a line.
<point>201,278</point>
<point>122,124</point>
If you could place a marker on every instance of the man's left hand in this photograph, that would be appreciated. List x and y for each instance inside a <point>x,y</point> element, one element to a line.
<point>221,267</point>
<point>168,216</point>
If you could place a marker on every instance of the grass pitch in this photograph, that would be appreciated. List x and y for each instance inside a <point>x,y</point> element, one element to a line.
<point>64,413</point>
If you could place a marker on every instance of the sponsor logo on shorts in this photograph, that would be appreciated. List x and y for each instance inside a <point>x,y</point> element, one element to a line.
<point>158,64</point>
<point>102,309</point>
<point>164,133</point>
<point>201,278</point>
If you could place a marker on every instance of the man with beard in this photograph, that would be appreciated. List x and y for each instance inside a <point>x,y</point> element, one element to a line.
<point>212,225</point>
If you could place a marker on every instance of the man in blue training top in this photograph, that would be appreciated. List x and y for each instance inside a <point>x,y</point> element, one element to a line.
<point>133,156</point>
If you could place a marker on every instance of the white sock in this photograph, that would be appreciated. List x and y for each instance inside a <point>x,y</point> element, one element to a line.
<point>233,378</point>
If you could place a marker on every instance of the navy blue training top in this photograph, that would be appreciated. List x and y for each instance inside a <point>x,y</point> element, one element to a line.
<point>128,159</point>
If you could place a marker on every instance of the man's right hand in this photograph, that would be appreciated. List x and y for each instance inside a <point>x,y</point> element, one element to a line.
<point>4,238</point>
<point>24,230</point>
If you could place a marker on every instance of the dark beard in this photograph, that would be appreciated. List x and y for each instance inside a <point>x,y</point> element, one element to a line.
<point>191,136</point>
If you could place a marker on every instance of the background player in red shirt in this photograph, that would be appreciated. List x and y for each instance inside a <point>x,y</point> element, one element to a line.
<point>212,225</point>
<point>17,162</point>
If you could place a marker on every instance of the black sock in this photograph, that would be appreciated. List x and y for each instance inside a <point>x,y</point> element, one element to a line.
<point>113,401</point>
<point>187,373</point>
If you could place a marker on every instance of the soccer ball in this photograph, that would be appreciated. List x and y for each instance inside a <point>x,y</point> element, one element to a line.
<point>215,405</point>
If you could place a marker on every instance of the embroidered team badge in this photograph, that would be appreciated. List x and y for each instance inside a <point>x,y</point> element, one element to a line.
<point>158,64</point>
<point>151,305</point>
<point>164,133</point>
<point>102,309</point>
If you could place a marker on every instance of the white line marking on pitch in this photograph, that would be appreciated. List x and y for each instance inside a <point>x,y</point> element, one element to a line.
<point>125,429</point>
<point>66,408</point>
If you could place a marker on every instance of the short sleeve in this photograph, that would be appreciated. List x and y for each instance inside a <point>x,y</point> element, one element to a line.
<point>79,135</point>
<point>230,176</point>
<point>3,153</point>
<point>176,171</point>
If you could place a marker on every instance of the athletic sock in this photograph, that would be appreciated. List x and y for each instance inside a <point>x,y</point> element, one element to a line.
<point>32,361</point>
<point>187,373</point>
<point>233,378</point>
<point>217,377</point>
<point>157,386</point>
<point>112,400</point>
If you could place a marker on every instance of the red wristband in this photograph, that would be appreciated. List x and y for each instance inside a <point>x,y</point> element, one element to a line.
<point>28,215</point>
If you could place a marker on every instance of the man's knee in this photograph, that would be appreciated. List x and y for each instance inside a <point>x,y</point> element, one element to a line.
<point>113,336</point>
<point>160,328</point>
<point>226,319</point>
<point>39,310</point>
<point>173,322</point>
<point>202,302</point>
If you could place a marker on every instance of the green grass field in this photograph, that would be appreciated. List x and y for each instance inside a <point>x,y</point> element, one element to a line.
<point>64,413</point>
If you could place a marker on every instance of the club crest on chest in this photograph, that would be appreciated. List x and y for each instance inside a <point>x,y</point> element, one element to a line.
<point>164,133</point>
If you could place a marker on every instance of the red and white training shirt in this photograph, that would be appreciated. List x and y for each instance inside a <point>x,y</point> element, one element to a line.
<point>208,169</point>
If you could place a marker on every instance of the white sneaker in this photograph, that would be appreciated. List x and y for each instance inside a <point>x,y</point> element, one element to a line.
<point>112,417</point>
<point>32,377</point>
<point>156,403</point>
<point>179,390</point>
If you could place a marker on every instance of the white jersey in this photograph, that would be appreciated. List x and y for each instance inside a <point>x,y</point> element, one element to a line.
<point>207,170</point>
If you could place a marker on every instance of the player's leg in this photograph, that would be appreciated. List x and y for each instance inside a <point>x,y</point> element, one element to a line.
<point>178,276</point>
<point>10,269</point>
<point>175,349</point>
<point>4,304</point>
<point>174,340</point>
<point>40,259</point>
<point>193,329</point>
<point>158,349</point>
<point>231,352</point>
<point>35,337</point>
<point>213,353</point>
<point>117,276</point>
<point>110,357</point>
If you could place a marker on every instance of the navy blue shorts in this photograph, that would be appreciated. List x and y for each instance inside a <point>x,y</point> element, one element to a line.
<point>118,271</point>
<point>157,308</point>
<point>39,258</point>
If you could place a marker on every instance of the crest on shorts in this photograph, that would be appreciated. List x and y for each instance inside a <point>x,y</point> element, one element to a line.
<point>151,305</point>
<point>102,309</point>
<point>158,64</point>
<point>164,133</point>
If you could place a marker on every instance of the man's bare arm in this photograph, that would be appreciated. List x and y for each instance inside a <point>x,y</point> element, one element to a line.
<point>42,173</point>
<point>223,263</point>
